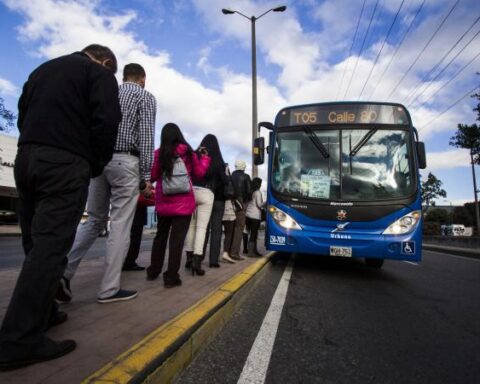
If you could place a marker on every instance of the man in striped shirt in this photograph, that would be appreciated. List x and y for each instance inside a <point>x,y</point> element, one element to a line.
<point>117,188</point>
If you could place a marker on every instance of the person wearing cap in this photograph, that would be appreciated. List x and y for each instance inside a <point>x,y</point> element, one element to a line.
<point>242,186</point>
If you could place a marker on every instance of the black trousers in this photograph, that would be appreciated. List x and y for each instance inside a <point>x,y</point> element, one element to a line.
<point>177,228</point>
<point>52,186</point>
<point>136,236</point>
<point>253,226</point>
<point>214,231</point>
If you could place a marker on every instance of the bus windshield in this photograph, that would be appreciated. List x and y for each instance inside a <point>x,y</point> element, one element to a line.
<point>343,164</point>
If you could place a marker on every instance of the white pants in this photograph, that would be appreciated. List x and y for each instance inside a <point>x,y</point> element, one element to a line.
<point>200,218</point>
<point>115,190</point>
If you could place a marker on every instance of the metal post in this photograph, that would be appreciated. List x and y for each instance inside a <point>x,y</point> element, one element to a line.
<point>477,215</point>
<point>254,95</point>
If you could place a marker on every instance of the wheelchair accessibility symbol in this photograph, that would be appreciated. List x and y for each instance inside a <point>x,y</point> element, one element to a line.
<point>408,247</point>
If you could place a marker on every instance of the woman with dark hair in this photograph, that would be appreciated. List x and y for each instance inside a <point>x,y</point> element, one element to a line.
<point>254,216</point>
<point>173,210</point>
<point>209,196</point>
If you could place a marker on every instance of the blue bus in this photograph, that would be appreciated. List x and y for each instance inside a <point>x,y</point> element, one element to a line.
<point>343,180</point>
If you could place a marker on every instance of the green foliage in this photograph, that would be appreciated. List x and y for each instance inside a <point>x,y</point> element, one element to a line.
<point>438,215</point>
<point>431,228</point>
<point>468,137</point>
<point>432,189</point>
<point>462,215</point>
<point>7,117</point>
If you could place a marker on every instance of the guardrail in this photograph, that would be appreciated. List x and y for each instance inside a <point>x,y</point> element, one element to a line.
<point>470,242</point>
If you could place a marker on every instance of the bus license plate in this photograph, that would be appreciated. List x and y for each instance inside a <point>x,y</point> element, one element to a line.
<point>341,251</point>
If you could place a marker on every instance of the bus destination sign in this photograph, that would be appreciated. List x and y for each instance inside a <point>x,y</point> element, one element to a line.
<point>343,114</point>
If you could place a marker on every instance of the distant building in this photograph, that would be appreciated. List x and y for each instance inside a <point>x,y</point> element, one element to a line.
<point>8,191</point>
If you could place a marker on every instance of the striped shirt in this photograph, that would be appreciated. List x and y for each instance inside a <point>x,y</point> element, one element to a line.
<point>137,128</point>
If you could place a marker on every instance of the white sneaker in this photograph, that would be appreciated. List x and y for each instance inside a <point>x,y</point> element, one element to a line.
<point>227,258</point>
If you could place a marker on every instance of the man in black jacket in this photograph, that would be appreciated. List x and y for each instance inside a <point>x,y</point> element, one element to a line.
<point>68,120</point>
<point>242,186</point>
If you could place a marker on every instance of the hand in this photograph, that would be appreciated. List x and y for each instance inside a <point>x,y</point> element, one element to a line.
<point>202,150</point>
<point>147,191</point>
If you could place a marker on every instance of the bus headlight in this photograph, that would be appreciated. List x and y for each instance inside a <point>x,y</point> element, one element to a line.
<point>405,224</point>
<point>282,219</point>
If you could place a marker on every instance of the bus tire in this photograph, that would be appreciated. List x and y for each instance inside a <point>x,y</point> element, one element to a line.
<point>374,263</point>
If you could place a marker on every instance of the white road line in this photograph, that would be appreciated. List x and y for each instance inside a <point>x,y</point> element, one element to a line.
<point>255,368</point>
<point>411,262</point>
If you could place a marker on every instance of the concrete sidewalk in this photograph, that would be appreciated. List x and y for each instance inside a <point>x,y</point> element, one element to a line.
<point>104,331</point>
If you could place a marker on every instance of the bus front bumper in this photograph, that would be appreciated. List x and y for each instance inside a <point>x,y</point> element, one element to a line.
<point>346,244</point>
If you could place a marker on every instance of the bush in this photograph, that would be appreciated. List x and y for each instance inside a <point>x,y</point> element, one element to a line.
<point>431,228</point>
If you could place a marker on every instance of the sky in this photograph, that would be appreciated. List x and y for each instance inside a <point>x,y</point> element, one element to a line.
<point>421,53</point>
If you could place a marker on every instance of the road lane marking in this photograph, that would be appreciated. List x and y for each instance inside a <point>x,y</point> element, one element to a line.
<point>411,262</point>
<point>255,368</point>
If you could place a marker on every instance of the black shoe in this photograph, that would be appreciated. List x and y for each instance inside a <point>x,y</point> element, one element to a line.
<point>64,293</point>
<point>47,350</point>
<point>133,267</point>
<point>121,295</point>
<point>152,275</point>
<point>214,265</point>
<point>57,319</point>
<point>237,257</point>
<point>170,283</point>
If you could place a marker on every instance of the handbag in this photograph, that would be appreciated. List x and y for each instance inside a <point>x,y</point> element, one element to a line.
<point>146,201</point>
<point>179,182</point>
<point>263,214</point>
<point>228,191</point>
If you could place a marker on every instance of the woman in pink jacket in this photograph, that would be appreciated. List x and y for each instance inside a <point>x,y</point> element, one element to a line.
<point>173,211</point>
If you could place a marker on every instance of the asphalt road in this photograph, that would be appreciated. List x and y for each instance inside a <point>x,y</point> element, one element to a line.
<point>345,323</point>
<point>11,251</point>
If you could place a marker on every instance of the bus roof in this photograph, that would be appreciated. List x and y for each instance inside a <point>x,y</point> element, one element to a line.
<point>341,113</point>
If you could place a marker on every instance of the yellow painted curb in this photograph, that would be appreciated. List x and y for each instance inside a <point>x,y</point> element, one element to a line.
<point>156,348</point>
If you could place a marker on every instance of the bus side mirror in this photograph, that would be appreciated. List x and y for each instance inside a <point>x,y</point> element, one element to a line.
<point>422,156</point>
<point>259,151</point>
<point>265,124</point>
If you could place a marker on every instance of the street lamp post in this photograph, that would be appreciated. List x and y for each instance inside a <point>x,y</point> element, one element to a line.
<point>253,19</point>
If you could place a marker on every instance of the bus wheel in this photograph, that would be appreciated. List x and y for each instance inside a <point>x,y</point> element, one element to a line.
<point>374,263</point>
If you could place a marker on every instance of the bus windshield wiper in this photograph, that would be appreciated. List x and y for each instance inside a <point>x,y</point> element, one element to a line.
<point>316,142</point>
<point>363,141</point>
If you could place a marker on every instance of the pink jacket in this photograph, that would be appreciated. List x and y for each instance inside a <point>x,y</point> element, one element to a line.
<point>182,204</point>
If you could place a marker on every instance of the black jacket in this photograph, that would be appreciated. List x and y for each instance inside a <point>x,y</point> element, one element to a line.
<point>71,103</point>
<point>215,179</point>
<point>242,186</point>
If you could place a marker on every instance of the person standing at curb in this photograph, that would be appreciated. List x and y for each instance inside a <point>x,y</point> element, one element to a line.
<point>174,209</point>
<point>228,221</point>
<point>243,192</point>
<point>254,216</point>
<point>68,120</point>
<point>117,189</point>
<point>136,233</point>
<point>210,200</point>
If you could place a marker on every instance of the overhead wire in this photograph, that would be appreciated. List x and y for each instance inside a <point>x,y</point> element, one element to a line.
<point>432,81</point>
<point>419,9</point>
<point>351,48</point>
<point>381,49</point>
<point>434,68</point>
<point>361,48</point>
<point>423,49</point>
<point>450,107</point>
<point>450,80</point>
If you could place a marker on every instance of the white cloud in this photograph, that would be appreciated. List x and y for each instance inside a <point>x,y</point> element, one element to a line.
<point>447,160</point>
<point>7,88</point>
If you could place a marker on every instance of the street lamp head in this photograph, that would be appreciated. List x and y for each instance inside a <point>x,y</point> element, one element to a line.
<point>280,9</point>
<point>226,11</point>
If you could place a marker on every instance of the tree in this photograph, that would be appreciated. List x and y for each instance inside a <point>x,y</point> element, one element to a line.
<point>468,137</point>
<point>437,215</point>
<point>462,215</point>
<point>7,117</point>
<point>431,189</point>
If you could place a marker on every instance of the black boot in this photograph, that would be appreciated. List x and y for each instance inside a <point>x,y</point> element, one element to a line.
<point>245,242</point>
<point>251,250</point>
<point>197,265</point>
<point>188,263</point>
<point>255,250</point>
